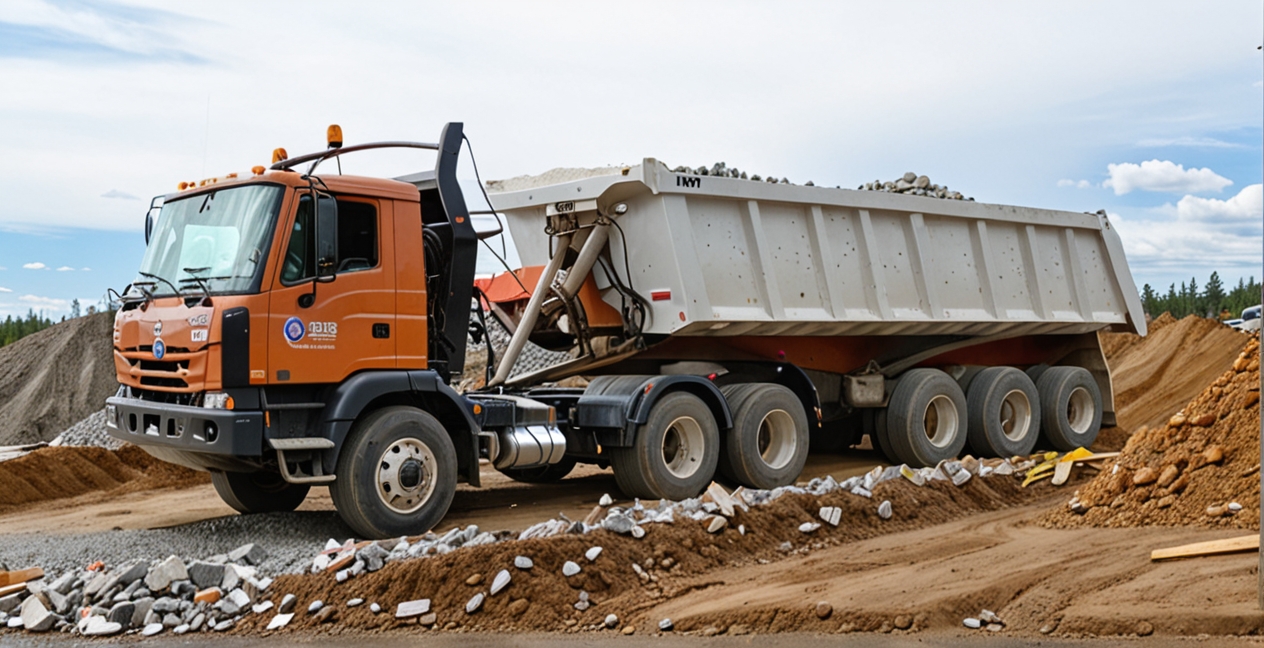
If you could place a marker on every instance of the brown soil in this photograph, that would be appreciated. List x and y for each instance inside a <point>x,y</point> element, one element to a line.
<point>56,473</point>
<point>1185,471</point>
<point>611,580</point>
<point>55,378</point>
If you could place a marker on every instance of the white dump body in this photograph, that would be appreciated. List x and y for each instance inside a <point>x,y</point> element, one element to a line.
<point>726,256</point>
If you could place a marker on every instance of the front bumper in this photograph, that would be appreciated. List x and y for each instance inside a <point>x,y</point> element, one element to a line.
<point>184,428</point>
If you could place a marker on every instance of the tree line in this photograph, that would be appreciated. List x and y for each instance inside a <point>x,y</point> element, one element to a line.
<point>1209,301</point>
<point>14,329</point>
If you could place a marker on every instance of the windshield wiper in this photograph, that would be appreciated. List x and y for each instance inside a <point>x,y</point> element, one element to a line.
<point>156,277</point>
<point>201,281</point>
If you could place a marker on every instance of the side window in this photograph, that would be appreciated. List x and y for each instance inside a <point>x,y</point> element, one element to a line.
<point>357,241</point>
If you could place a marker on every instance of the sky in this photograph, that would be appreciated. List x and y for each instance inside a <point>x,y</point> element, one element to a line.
<point>1150,110</point>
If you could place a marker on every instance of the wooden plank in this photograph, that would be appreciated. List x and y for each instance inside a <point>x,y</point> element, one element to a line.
<point>1061,472</point>
<point>1210,548</point>
<point>20,576</point>
<point>12,589</point>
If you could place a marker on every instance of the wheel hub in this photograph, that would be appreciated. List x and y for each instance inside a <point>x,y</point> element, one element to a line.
<point>405,475</point>
<point>683,447</point>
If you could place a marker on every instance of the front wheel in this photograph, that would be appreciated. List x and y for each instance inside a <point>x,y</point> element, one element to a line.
<point>674,454</point>
<point>258,492</point>
<point>396,474</point>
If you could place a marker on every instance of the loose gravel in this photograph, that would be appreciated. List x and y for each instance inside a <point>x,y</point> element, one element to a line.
<point>91,431</point>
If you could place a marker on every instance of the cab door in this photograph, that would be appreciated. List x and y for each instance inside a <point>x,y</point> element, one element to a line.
<point>349,325</point>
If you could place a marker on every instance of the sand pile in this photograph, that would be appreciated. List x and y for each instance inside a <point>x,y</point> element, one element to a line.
<point>54,473</point>
<point>1153,376</point>
<point>55,378</point>
<point>1198,468</point>
<point>670,555</point>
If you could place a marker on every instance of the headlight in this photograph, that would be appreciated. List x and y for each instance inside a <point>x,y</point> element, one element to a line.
<point>217,400</point>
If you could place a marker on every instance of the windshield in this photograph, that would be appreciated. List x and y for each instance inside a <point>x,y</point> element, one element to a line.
<point>217,239</point>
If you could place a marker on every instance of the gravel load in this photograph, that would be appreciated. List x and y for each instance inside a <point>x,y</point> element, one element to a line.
<point>914,185</point>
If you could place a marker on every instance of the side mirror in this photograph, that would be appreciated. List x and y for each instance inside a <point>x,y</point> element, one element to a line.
<point>155,204</point>
<point>326,236</point>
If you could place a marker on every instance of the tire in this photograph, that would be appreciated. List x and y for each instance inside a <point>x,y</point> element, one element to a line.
<point>259,492</point>
<point>768,444</point>
<point>1035,371</point>
<point>1070,406</point>
<point>675,453</point>
<point>926,418</point>
<point>542,474</point>
<point>1002,413</point>
<point>396,474</point>
<point>879,438</point>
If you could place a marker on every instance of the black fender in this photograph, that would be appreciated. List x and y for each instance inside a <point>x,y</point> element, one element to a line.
<point>423,389</point>
<point>781,373</point>
<point>636,399</point>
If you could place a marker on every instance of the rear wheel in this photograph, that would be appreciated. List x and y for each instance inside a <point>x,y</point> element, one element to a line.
<point>542,474</point>
<point>259,492</point>
<point>675,452</point>
<point>768,444</point>
<point>396,474</point>
<point>926,418</point>
<point>1070,406</point>
<point>1004,413</point>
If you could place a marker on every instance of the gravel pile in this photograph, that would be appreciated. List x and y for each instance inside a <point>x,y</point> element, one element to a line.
<point>89,432</point>
<point>722,170</point>
<point>914,185</point>
<point>533,357</point>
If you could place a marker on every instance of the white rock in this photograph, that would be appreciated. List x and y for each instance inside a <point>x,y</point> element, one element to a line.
<point>638,532</point>
<point>960,477</point>
<point>606,500</point>
<point>592,553</point>
<point>180,629</point>
<point>717,524</point>
<point>355,602</point>
<point>260,608</point>
<point>99,626</point>
<point>861,491</point>
<point>884,510</point>
<point>1235,507</point>
<point>666,625</point>
<point>523,562</point>
<point>375,608</point>
<point>280,621</point>
<point>972,623</point>
<point>500,582</point>
<point>988,616</point>
<point>474,603</point>
<point>741,528</point>
<point>36,617</point>
<point>332,544</point>
<point>569,569</point>
<point>831,514</point>
<point>611,620</point>
<point>808,527</point>
<point>149,631</point>
<point>315,607</point>
<point>162,574</point>
<point>14,622</point>
<point>412,608</point>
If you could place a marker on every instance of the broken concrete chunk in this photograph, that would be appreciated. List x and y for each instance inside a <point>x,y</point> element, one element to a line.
<point>36,617</point>
<point>988,616</point>
<point>606,500</point>
<point>206,575</point>
<point>618,523</point>
<point>972,623</point>
<point>474,603</point>
<point>717,523</point>
<point>523,562</point>
<point>960,477</point>
<point>162,574</point>
<point>250,554</point>
<point>428,619</point>
<point>569,569</point>
<point>666,625</point>
<point>279,621</point>
<point>721,498</point>
<point>410,609</point>
<point>861,491</point>
<point>592,553</point>
<point>831,514</point>
<point>500,582</point>
<point>638,532</point>
<point>808,527</point>
<point>884,510</point>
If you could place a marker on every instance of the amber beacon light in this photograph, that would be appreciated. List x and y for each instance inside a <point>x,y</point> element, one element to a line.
<point>333,135</point>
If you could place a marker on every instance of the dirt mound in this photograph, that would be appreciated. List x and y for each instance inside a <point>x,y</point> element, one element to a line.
<point>671,555</point>
<point>1189,469</point>
<point>1154,375</point>
<point>55,378</point>
<point>55,473</point>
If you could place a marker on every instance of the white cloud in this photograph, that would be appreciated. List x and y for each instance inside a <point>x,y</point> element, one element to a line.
<point>45,302</point>
<point>1162,175</point>
<point>3,289</point>
<point>1078,184</point>
<point>1191,142</point>
<point>1248,205</point>
<point>65,269</point>
<point>115,193</point>
<point>86,269</point>
<point>34,266</point>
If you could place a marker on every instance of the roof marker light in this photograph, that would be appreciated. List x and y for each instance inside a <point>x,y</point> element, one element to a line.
<point>279,155</point>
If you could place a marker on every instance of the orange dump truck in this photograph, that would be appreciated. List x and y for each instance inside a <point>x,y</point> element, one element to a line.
<point>294,327</point>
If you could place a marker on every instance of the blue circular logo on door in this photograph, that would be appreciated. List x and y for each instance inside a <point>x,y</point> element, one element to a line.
<point>160,349</point>
<point>294,329</point>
